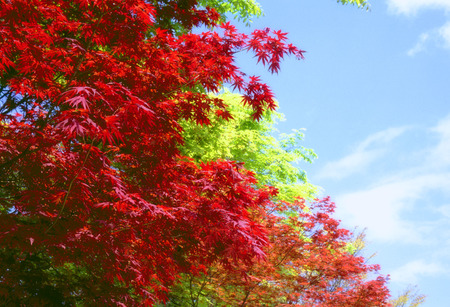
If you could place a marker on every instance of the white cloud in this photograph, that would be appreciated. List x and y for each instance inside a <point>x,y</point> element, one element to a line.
<point>440,155</point>
<point>382,137</point>
<point>411,7</point>
<point>367,152</point>
<point>438,36</point>
<point>382,207</point>
<point>349,165</point>
<point>411,271</point>
<point>420,45</point>
<point>444,210</point>
<point>444,34</point>
<point>407,207</point>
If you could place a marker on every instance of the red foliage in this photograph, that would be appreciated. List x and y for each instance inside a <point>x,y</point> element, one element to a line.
<point>307,264</point>
<point>91,95</point>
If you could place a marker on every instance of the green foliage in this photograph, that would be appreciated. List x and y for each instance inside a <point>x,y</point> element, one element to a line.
<point>193,291</point>
<point>41,282</point>
<point>360,3</point>
<point>242,10</point>
<point>243,139</point>
<point>245,10</point>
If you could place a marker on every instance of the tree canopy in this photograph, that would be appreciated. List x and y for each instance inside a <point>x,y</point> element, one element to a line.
<point>101,204</point>
<point>289,273</point>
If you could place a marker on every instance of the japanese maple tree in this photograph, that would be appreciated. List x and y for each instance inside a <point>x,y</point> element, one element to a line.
<point>308,264</point>
<point>97,204</point>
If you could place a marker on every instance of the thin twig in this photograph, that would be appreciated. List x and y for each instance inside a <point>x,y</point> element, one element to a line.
<point>71,185</point>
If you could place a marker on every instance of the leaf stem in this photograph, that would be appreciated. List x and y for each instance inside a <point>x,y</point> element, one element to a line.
<point>71,185</point>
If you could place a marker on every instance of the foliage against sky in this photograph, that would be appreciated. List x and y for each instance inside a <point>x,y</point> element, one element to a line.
<point>98,204</point>
<point>242,139</point>
<point>92,93</point>
<point>289,274</point>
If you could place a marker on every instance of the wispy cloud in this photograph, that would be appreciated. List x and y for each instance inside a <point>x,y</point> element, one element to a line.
<point>439,36</point>
<point>411,7</point>
<point>365,154</point>
<point>411,271</point>
<point>409,206</point>
<point>444,34</point>
<point>444,210</point>
<point>384,205</point>
<point>420,45</point>
<point>439,156</point>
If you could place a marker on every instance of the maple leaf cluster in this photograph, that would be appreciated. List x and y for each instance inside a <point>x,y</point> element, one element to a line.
<point>308,263</point>
<point>97,205</point>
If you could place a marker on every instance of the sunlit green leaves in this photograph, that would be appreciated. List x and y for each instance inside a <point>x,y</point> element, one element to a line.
<point>360,3</point>
<point>243,10</point>
<point>243,139</point>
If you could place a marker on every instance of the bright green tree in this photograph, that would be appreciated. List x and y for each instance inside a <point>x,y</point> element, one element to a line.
<point>242,139</point>
<point>243,10</point>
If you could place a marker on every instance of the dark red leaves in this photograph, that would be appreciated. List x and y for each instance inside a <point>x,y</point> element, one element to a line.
<point>307,264</point>
<point>259,97</point>
<point>270,49</point>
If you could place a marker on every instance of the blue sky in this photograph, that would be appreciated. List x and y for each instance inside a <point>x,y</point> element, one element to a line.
<point>374,96</point>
